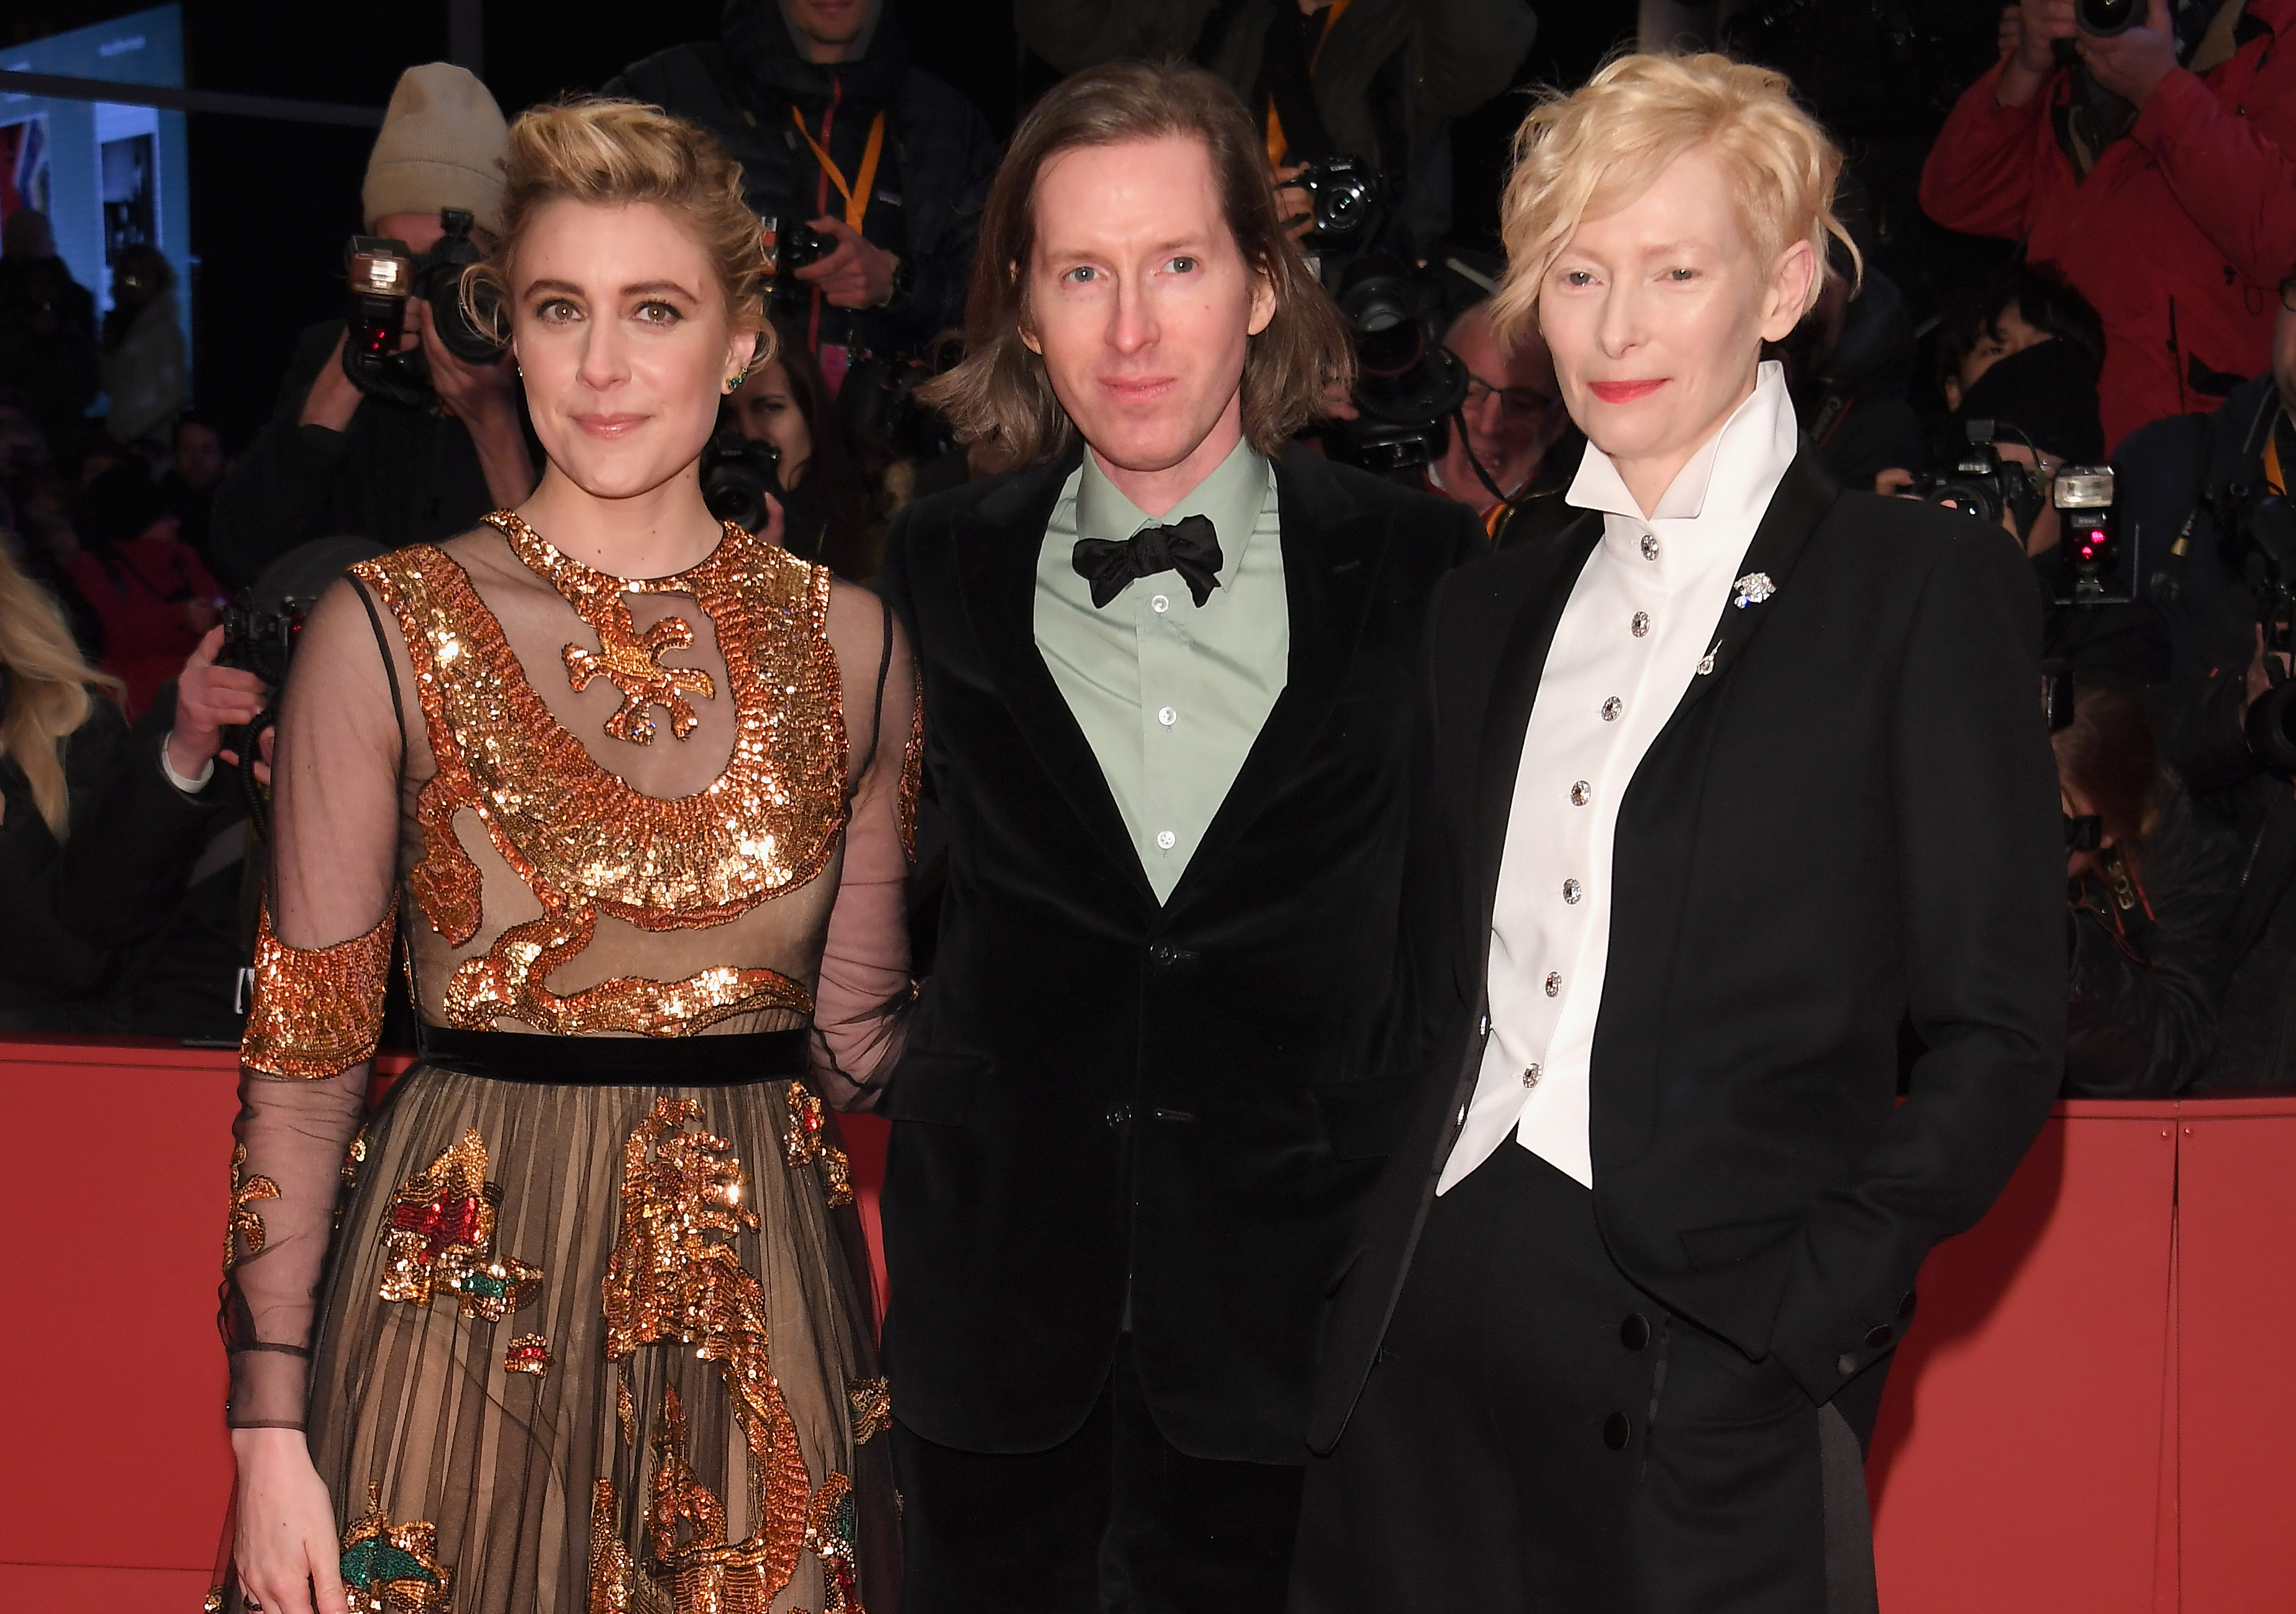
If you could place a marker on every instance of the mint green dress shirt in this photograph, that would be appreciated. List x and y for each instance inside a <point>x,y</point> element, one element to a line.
<point>1170,694</point>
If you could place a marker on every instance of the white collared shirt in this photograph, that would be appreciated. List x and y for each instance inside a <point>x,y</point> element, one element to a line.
<point>1639,621</point>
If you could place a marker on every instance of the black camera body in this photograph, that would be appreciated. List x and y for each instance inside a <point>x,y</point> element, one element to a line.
<point>385,276</point>
<point>1982,485</point>
<point>737,473</point>
<point>798,248</point>
<point>2258,527</point>
<point>1408,385</point>
<point>260,638</point>
<point>1342,194</point>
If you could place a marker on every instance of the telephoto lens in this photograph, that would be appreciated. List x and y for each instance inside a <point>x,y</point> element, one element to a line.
<point>2104,18</point>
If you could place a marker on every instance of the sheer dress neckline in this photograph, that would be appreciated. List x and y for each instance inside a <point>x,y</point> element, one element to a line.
<point>570,576</point>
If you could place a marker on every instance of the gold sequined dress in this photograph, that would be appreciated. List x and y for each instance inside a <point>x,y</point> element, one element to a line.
<point>571,1320</point>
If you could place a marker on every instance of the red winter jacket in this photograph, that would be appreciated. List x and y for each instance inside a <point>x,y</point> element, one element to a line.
<point>2180,234</point>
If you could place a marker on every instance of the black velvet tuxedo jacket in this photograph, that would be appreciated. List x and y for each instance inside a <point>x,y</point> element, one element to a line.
<point>1110,1106</point>
<point>1851,820</point>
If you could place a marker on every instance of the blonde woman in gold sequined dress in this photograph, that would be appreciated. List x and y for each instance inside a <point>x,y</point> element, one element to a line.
<point>571,1325</point>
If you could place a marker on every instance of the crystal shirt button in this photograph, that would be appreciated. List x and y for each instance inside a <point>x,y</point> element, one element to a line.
<point>1581,793</point>
<point>1165,839</point>
<point>1573,890</point>
<point>1168,717</point>
<point>1650,546</point>
<point>1530,1076</point>
<point>1641,623</point>
<point>1160,604</point>
<point>1553,983</point>
<point>1611,709</point>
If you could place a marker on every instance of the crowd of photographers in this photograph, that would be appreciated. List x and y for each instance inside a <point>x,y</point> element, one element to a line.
<point>2113,387</point>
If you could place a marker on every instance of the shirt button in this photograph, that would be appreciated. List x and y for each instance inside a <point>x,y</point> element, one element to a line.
<point>1530,1076</point>
<point>1573,890</point>
<point>1641,623</point>
<point>1165,839</point>
<point>1168,717</point>
<point>1160,604</point>
<point>1611,709</point>
<point>1553,983</point>
<point>1581,793</point>
<point>1650,546</point>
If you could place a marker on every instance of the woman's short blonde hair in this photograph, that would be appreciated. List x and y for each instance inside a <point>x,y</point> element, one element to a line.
<point>1593,150</point>
<point>614,154</point>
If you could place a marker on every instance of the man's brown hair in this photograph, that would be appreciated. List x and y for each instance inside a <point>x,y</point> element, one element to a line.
<point>1000,390</point>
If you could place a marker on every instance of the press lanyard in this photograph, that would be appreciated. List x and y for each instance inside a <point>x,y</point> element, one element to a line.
<point>856,202</point>
<point>1275,141</point>
<point>2272,475</point>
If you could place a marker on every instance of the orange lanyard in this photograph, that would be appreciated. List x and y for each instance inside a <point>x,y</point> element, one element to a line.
<point>857,200</point>
<point>1275,141</point>
<point>2278,482</point>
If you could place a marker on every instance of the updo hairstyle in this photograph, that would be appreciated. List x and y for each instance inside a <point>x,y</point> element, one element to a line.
<point>614,154</point>
<point>1588,152</point>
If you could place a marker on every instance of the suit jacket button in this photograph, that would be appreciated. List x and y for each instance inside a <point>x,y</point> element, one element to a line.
<point>1845,1364</point>
<point>1905,1307</point>
<point>1879,1335</point>
<point>1615,1431</point>
<point>1121,1115</point>
<point>1633,1334</point>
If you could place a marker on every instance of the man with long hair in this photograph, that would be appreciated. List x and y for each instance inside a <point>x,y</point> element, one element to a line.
<point>1168,665</point>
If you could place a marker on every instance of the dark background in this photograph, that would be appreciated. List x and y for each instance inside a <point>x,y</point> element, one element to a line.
<point>273,202</point>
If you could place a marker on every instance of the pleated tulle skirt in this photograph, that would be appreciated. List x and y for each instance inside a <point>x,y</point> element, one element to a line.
<point>600,1348</point>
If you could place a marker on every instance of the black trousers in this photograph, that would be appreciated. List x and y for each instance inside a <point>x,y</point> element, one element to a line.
<point>1540,1434</point>
<point>1115,1520</point>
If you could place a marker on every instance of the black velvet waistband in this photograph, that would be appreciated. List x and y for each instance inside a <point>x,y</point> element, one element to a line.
<point>616,1061</point>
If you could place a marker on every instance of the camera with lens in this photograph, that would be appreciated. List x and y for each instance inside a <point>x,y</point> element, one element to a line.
<point>737,473</point>
<point>259,637</point>
<point>385,275</point>
<point>2258,524</point>
<point>799,247</point>
<point>1408,383</point>
<point>1982,485</point>
<point>1342,193</point>
<point>2107,19</point>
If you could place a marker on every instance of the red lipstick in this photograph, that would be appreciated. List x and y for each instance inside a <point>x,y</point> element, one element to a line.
<point>1624,392</point>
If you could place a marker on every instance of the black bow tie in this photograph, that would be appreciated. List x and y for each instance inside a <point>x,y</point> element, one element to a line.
<point>1188,546</point>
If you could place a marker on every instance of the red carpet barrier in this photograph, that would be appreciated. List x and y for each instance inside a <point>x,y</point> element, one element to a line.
<point>2095,1410</point>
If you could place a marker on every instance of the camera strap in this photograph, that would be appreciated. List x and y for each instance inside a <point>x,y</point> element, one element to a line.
<point>857,199</point>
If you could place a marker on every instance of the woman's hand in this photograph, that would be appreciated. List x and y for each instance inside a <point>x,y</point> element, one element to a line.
<point>286,1549</point>
<point>209,699</point>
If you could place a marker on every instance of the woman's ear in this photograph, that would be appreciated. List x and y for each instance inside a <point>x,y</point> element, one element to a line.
<point>1792,279</point>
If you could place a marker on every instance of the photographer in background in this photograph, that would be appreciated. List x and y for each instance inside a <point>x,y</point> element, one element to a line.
<point>144,348</point>
<point>48,348</point>
<point>2155,175</point>
<point>836,497</point>
<point>2021,309</point>
<point>1378,81</point>
<point>839,135</point>
<point>2151,886</point>
<point>2042,404</point>
<point>1515,456</point>
<point>335,458</point>
<point>102,826</point>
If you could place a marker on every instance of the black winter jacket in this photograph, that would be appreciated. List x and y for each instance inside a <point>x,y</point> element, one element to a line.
<point>932,177</point>
<point>395,476</point>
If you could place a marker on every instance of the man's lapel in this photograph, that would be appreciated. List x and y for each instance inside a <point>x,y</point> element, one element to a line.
<point>1803,496</point>
<point>1332,549</point>
<point>997,546</point>
<point>1514,689</point>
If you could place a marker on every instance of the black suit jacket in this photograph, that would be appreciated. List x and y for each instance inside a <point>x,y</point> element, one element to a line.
<point>1193,1097</point>
<point>1852,819</point>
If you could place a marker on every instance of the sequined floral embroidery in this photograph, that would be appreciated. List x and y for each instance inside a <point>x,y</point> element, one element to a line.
<point>673,1276</point>
<point>394,1568</point>
<point>246,1228</point>
<point>872,1404</point>
<point>804,1143</point>
<point>317,1011</point>
<point>441,1231</point>
<point>527,1354</point>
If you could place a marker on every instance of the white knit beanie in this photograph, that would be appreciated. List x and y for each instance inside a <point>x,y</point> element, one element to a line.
<point>441,146</point>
